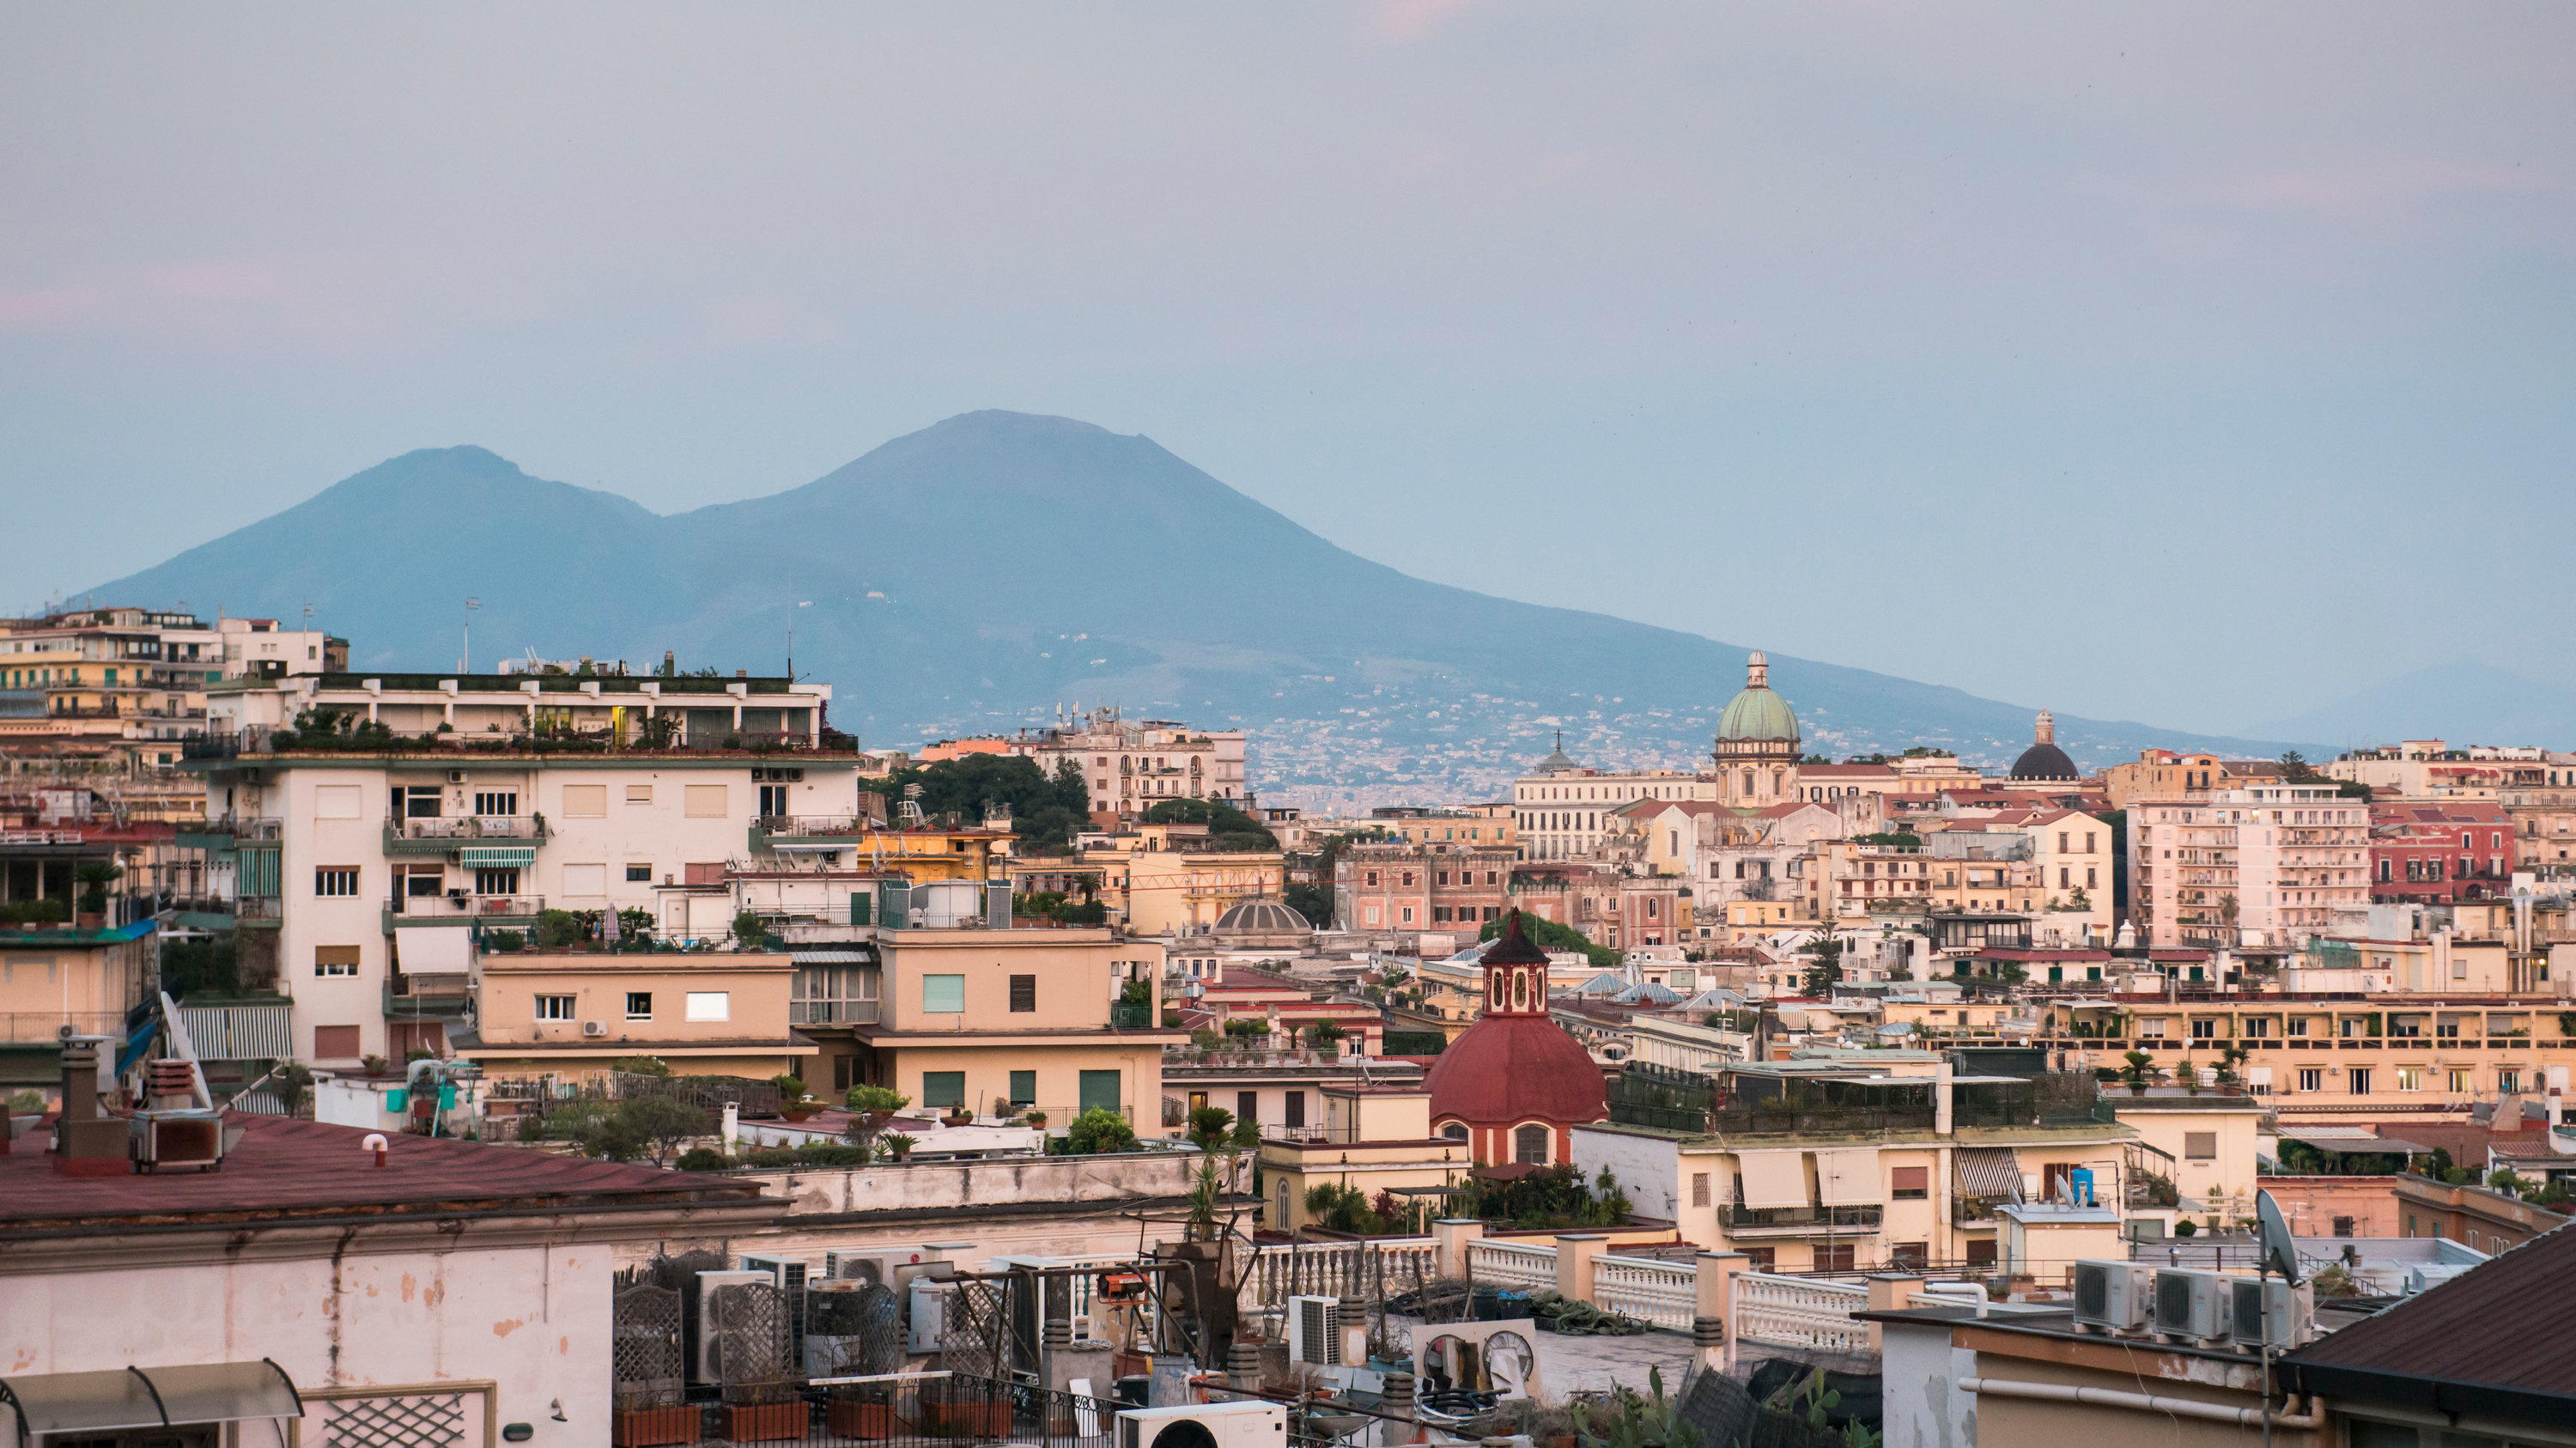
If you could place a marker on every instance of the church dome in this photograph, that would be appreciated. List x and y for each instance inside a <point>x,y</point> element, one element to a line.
<point>1254,917</point>
<point>1514,1064</point>
<point>2043,760</point>
<point>1559,760</point>
<point>1757,715</point>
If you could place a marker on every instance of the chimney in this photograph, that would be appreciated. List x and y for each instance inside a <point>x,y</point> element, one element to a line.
<point>85,1142</point>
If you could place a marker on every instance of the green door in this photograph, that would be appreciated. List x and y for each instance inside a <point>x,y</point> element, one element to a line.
<point>1099,1088</point>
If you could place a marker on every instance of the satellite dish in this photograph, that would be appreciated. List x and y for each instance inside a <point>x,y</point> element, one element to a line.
<point>2280,1252</point>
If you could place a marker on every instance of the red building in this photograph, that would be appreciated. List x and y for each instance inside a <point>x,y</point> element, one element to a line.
<point>2439,850</point>
<point>1515,1085</point>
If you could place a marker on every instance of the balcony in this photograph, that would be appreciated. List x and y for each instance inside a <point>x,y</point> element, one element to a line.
<point>505,910</point>
<point>448,834</point>
<point>1798,1221</point>
<point>440,996</point>
<point>231,830</point>
<point>216,912</point>
<point>1126,1016</point>
<point>42,1026</point>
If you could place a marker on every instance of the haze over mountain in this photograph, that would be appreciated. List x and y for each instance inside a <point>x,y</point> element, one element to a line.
<point>980,573</point>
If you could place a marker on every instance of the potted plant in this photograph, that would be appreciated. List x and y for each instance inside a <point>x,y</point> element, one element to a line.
<point>94,877</point>
<point>2138,1072</point>
<point>861,1413</point>
<point>901,1145</point>
<point>375,1065</point>
<point>957,1116</point>
<point>1036,1119</point>
<point>792,1100</point>
<point>876,1105</point>
<point>636,1426</point>
<point>773,1414</point>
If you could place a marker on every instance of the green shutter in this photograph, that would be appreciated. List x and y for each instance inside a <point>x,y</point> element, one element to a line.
<point>943,1088</point>
<point>1024,1087</point>
<point>860,903</point>
<point>943,995</point>
<point>1099,1089</point>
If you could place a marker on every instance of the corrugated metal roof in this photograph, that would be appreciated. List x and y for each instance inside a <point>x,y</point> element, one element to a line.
<point>2491,1341</point>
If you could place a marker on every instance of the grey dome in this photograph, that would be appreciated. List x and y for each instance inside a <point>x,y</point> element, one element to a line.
<point>1254,917</point>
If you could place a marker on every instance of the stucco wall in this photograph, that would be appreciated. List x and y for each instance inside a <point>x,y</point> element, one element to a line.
<point>1647,1167</point>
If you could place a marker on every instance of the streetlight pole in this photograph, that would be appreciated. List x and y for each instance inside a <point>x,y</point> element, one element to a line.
<point>464,662</point>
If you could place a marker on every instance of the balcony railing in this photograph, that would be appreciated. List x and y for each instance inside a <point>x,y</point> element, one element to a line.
<point>447,829</point>
<point>1124,1016</point>
<point>43,1026</point>
<point>812,826</point>
<point>464,908</point>
<point>1801,1220</point>
<point>833,1013</point>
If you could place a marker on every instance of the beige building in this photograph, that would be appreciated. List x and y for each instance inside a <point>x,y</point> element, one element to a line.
<point>573,1014</point>
<point>1164,880</point>
<point>2267,866</point>
<point>2164,774</point>
<point>1371,1139</point>
<point>1131,767</point>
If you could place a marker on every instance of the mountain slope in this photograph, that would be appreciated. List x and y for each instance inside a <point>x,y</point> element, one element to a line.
<point>2463,702</point>
<point>979,573</point>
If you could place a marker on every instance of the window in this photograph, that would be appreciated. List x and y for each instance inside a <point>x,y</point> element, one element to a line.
<point>1763,1259</point>
<point>554,1007</point>
<point>1024,992</point>
<point>2312,1078</point>
<point>1454,1131</point>
<point>639,794</point>
<point>502,880</point>
<point>1098,1091</point>
<point>1909,1183</point>
<point>639,1005</point>
<point>2257,1028</point>
<point>496,802</point>
<point>2410,1078</point>
<point>2460,1083</point>
<point>703,801</point>
<point>773,800</point>
<point>2508,1081</point>
<point>1024,1088</point>
<point>336,881</point>
<point>2297,1025</point>
<point>1836,1256</point>
<point>585,801</point>
<point>1699,1189</point>
<point>2204,1030</point>
<point>943,995</point>
<point>1910,1256</point>
<point>335,960</point>
<point>1529,1144</point>
<point>2358,1080</point>
<point>708,1005</point>
<point>1293,1108</point>
<point>639,873</point>
<point>1980,1251</point>
<point>943,1088</point>
<point>2200,1146</point>
<point>335,1043</point>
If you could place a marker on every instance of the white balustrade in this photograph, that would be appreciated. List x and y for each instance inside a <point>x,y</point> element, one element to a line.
<point>1512,1264</point>
<point>1663,1293</point>
<point>1800,1311</point>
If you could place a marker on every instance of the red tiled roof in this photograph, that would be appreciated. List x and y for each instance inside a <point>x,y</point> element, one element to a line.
<point>284,1168</point>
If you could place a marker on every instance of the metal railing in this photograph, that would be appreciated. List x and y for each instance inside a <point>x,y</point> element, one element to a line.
<point>811,825</point>
<point>833,1013</point>
<point>1800,1219</point>
<point>43,1026</point>
<point>1126,1016</point>
<point>468,827</point>
<point>465,907</point>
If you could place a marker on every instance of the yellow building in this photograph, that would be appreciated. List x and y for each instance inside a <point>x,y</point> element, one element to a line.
<point>575,1013</point>
<point>1162,879</point>
<point>1748,920</point>
<point>2205,1146</point>
<point>987,1018</point>
<point>1373,1139</point>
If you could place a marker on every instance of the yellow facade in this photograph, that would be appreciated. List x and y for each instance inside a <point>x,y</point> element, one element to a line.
<point>577,1014</point>
<point>1159,880</point>
<point>1372,1140</point>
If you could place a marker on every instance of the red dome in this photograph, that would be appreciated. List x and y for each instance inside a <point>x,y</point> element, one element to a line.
<point>1507,1069</point>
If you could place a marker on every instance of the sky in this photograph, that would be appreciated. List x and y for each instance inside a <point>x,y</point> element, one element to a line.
<point>2190,363</point>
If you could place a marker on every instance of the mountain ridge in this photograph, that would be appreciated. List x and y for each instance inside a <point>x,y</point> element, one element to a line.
<point>982,572</point>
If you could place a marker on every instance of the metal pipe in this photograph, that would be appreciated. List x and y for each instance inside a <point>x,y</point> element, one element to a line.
<point>2141,1402</point>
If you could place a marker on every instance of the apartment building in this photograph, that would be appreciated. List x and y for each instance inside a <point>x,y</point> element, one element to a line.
<point>2164,774</point>
<point>2266,866</point>
<point>2441,850</point>
<point>351,863</point>
<point>574,1013</point>
<point>1851,1161</point>
<point>1442,886</point>
<point>1564,811</point>
<point>1132,766</point>
<point>1915,779</point>
<point>120,687</point>
<point>1610,906</point>
<point>1167,880</point>
<point>2431,769</point>
<point>1857,879</point>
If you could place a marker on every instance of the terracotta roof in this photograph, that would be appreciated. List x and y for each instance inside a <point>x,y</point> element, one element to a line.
<point>2490,1342</point>
<point>284,1169</point>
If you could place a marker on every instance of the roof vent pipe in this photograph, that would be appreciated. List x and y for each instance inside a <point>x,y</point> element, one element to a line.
<point>376,1143</point>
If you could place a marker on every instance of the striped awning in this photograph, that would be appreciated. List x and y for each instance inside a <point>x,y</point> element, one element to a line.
<point>488,857</point>
<point>1988,1171</point>
<point>238,1033</point>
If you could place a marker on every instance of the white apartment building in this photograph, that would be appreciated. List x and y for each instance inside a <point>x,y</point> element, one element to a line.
<point>2262,867</point>
<point>1564,811</point>
<point>358,867</point>
<point>1133,766</point>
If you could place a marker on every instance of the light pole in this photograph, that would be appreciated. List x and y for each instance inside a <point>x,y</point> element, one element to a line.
<point>467,659</point>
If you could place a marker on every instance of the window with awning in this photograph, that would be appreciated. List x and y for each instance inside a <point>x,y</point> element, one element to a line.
<point>496,857</point>
<point>1989,1172</point>
<point>165,1397</point>
<point>1847,1178</point>
<point>1770,1180</point>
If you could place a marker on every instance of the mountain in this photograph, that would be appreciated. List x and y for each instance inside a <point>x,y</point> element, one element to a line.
<point>978,574</point>
<point>2464,703</point>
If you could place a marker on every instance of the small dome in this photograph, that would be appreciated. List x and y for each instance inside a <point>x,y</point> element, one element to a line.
<point>1508,1069</point>
<point>1254,917</point>
<point>1558,760</point>
<point>1757,714</point>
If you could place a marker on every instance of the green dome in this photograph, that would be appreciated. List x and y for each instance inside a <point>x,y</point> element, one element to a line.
<point>1757,714</point>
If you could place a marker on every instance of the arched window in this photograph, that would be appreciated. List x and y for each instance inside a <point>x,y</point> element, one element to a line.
<point>1454,1131</point>
<point>1529,1144</point>
<point>1520,990</point>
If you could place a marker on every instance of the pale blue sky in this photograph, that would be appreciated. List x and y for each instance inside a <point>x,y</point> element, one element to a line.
<point>2179,362</point>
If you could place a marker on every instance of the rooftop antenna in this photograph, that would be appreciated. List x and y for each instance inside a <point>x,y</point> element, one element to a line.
<point>791,639</point>
<point>464,662</point>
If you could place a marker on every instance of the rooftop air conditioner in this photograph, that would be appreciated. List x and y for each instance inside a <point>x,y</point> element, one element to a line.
<point>706,1364</point>
<point>2269,1312</point>
<point>788,1274</point>
<point>1205,1425</point>
<point>594,1028</point>
<point>1315,1331</point>
<point>2114,1296</point>
<point>2195,1306</point>
<point>456,776</point>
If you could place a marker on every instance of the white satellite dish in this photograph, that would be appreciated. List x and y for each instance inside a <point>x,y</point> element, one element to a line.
<point>2279,1250</point>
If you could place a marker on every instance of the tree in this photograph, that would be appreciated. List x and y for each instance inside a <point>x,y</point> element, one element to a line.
<point>1044,812</point>
<point>1324,1034</point>
<point>2138,1070</point>
<point>1228,828</point>
<point>660,1123</point>
<point>2295,769</point>
<point>1211,1126</point>
<point>1827,954</point>
<point>1548,935</point>
<point>1099,1130</point>
<point>94,877</point>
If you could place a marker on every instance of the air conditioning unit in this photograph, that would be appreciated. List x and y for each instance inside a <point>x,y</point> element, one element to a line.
<point>926,1314</point>
<point>2114,1296</point>
<point>875,1264</point>
<point>2270,1312</point>
<point>788,1274</point>
<point>851,1329</point>
<point>1315,1331</point>
<point>706,1365</point>
<point>1205,1425</point>
<point>456,776</point>
<point>594,1029</point>
<point>2195,1306</point>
